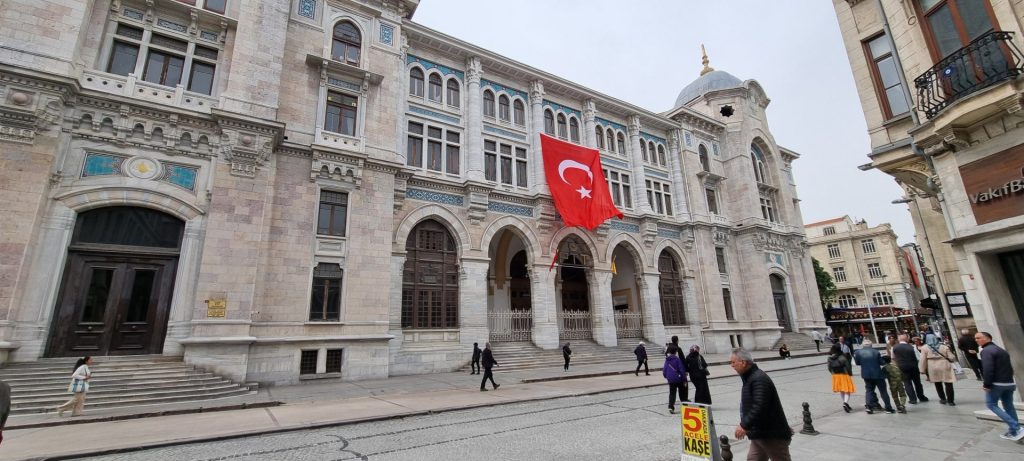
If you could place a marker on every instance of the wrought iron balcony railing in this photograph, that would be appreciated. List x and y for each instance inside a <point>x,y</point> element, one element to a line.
<point>988,60</point>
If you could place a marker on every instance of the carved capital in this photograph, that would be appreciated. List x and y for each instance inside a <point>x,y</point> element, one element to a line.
<point>474,69</point>
<point>536,92</point>
<point>634,125</point>
<point>589,110</point>
<point>674,143</point>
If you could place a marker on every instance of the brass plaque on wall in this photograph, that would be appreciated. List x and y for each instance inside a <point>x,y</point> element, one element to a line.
<point>995,185</point>
<point>216,308</point>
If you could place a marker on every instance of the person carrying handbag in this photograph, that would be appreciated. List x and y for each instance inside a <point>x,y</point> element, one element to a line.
<point>675,373</point>
<point>937,365</point>
<point>78,387</point>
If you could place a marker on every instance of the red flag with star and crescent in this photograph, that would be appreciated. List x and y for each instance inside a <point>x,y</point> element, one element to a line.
<point>577,183</point>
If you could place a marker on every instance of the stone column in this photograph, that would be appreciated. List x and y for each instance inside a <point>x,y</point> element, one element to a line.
<point>401,100</point>
<point>545,314</point>
<point>636,160</point>
<point>589,113</point>
<point>602,316</point>
<point>676,169</point>
<point>474,121</point>
<point>256,61</point>
<point>395,304</point>
<point>539,182</point>
<point>179,324</point>
<point>473,301</point>
<point>650,302</point>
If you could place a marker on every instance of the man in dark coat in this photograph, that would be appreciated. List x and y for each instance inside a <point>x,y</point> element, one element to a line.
<point>761,415</point>
<point>641,359</point>
<point>5,406</point>
<point>970,349</point>
<point>906,360</point>
<point>489,362</point>
<point>997,374</point>
<point>566,354</point>
<point>870,361</point>
<point>475,366</point>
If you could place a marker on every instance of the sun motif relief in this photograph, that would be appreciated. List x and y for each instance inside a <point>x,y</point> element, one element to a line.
<point>142,168</point>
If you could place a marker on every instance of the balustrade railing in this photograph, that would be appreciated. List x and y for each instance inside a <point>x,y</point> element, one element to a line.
<point>510,326</point>
<point>986,61</point>
<point>575,325</point>
<point>629,324</point>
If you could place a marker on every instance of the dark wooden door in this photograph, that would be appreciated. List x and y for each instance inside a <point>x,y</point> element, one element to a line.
<point>113,304</point>
<point>781,311</point>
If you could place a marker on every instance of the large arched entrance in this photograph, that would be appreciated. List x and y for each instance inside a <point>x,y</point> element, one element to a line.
<point>509,305</point>
<point>430,279</point>
<point>574,262</point>
<point>116,291</point>
<point>779,296</point>
<point>670,290</point>
<point>626,300</point>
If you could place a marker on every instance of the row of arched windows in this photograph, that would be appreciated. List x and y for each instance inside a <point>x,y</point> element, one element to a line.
<point>436,89</point>
<point>878,298</point>
<point>517,114</point>
<point>610,140</point>
<point>653,153</point>
<point>567,128</point>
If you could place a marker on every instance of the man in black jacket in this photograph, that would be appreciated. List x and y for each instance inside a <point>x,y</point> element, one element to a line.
<point>761,415</point>
<point>906,360</point>
<point>997,374</point>
<point>970,349</point>
<point>488,359</point>
<point>474,368</point>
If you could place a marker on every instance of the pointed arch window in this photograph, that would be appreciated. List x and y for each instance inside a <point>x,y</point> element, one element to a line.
<point>620,143</point>
<point>670,288</point>
<point>453,93</point>
<point>611,140</point>
<point>503,113</point>
<point>519,113</point>
<point>702,155</point>
<point>434,88</point>
<point>758,162</point>
<point>549,123</point>
<point>346,44</point>
<point>643,151</point>
<point>416,82</point>
<point>574,130</point>
<point>661,155</point>
<point>488,104</point>
<point>562,133</point>
<point>430,279</point>
<point>599,136</point>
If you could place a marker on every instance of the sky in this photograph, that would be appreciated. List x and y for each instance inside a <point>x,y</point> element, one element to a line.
<point>646,51</point>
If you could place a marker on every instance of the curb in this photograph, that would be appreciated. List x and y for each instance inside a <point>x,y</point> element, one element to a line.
<point>151,414</point>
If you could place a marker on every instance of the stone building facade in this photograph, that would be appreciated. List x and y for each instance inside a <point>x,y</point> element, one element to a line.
<point>941,87</point>
<point>278,190</point>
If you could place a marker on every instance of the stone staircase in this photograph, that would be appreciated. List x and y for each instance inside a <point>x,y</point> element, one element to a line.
<point>798,342</point>
<point>525,355</point>
<point>121,381</point>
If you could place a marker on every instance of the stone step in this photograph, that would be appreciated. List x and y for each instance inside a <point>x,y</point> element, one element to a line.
<point>116,395</point>
<point>30,392</point>
<point>108,378</point>
<point>96,370</point>
<point>147,400</point>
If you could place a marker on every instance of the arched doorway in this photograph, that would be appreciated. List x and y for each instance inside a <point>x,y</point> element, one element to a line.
<point>670,290</point>
<point>781,307</point>
<point>574,261</point>
<point>116,291</point>
<point>509,305</point>
<point>430,279</point>
<point>625,293</point>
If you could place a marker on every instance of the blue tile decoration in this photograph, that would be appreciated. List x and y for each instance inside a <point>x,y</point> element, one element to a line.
<point>484,83</point>
<point>609,123</point>
<point>102,165</point>
<point>656,174</point>
<point>434,114</point>
<point>651,137</point>
<point>689,139</point>
<point>179,175</point>
<point>774,258</point>
<point>714,148</point>
<point>606,160</point>
<point>506,133</point>
<point>508,208</point>
<point>171,25</point>
<point>436,197</point>
<point>409,59</point>
<point>387,34</point>
<point>668,233</point>
<point>343,84</point>
<point>568,110</point>
<point>209,36</point>
<point>623,226</point>
<point>134,14</point>
<point>307,8</point>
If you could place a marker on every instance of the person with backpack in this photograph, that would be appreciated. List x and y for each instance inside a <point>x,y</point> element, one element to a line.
<point>675,373</point>
<point>78,388</point>
<point>842,372</point>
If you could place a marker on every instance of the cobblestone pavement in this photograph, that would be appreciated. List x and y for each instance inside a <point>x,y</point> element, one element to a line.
<point>631,424</point>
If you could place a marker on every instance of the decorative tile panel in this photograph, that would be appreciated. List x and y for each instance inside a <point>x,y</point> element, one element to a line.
<point>343,84</point>
<point>605,160</point>
<point>171,25</point>
<point>508,208</point>
<point>209,36</point>
<point>623,226</point>
<point>434,114</point>
<point>180,175</point>
<point>714,148</point>
<point>484,83</point>
<point>102,165</point>
<point>387,34</point>
<point>133,14</point>
<point>651,137</point>
<point>568,110</point>
<point>609,123</point>
<point>409,59</point>
<point>689,139</point>
<point>668,233</point>
<point>506,133</point>
<point>436,197</point>
<point>307,8</point>
<point>775,258</point>
<point>656,174</point>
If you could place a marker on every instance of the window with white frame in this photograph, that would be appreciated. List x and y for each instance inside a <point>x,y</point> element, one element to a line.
<point>868,245</point>
<point>503,108</point>
<point>170,58</point>
<point>452,96</point>
<point>341,110</point>
<point>333,214</point>
<point>659,196</point>
<point>433,147</point>
<point>325,296</point>
<point>519,113</point>
<point>488,104</point>
<point>720,259</point>
<point>882,298</point>
<point>712,200</point>
<point>416,82</point>
<point>620,188</point>
<point>833,251</point>
<point>574,130</point>
<point>434,88</point>
<point>758,162</point>
<point>830,230</point>
<point>768,209</point>
<point>563,130</point>
<point>505,163</point>
<point>549,123</point>
<point>346,43</point>
<point>702,156</point>
<point>874,270</point>
<point>653,153</point>
<point>599,136</point>
<point>847,301</point>
<point>610,136</point>
<point>643,152</point>
<point>620,143</point>
<point>839,273</point>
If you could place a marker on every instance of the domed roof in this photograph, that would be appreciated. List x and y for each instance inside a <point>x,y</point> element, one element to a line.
<point>711,81</point>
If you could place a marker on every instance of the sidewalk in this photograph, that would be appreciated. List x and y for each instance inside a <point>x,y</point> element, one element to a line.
<point>317,405</point>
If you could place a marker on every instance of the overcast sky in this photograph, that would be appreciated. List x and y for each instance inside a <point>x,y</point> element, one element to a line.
<point>645,51</point>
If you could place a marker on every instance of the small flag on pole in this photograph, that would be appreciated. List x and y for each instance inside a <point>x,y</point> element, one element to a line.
<point>615,270</point>
<point>553,261</point>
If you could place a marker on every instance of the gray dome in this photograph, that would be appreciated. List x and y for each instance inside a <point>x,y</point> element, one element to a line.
<point>711,81</point>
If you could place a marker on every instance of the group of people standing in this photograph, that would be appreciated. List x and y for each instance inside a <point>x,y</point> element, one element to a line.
<point>676,370</point>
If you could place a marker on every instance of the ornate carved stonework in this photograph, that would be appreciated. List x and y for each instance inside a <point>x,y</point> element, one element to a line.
<point>245,144</point>
<point>720,237</point>
<point>338,167</point>
<point>30,107</point>
<point>589,110</point>
<point>634,126</point>
<point>766,241</point>
<point>536,92</point>
<point>474,69</point>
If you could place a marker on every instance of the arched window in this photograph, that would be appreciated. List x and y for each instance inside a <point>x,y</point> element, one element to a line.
<point>702,154</point>
<point>650,148</point>
<point>661,155</point>
<point>346,44</point>
<point>847,301</point>
<point>519,113</point>
<point>611,140</point>
<point>643,151</point>
<point>549,123</point>
<point>620,143</point>
<point>416,82</point>
<point>434,88</point>
<point>562,133</point>
<point>882,298</point>
<point>574,130</point>
<point>488,104</point>
<point>430,278</point>
<point>453,93</point>
<point>670,288</point>
<point>503,108</point>
<point>599,136</point>
<point>758,162</point>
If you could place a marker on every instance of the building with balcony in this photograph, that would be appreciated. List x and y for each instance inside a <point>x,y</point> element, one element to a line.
<point>941,87</point>
<point>278,190</point>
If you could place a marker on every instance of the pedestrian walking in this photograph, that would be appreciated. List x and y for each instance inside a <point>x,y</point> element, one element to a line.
<point>674,345</point>
<point>970,349</point>
<point>818,338</point>
<point>930,338</point>
<point>896,388</point>
<point>487,357</point>
<point>5,407</point>
<point>675,373</point>
<point>937,365</point>
<point>78,387</point>
<point>847,347</point>
<point>784,351</point>
<point>761,416</point>
<point>474,367</point>
<point>697,368</point>
<point>566,353</point>
<point>870,361</point>
<point>842,372</point>
<point>641,359</point>
<point>906,359</point>
<point>997,374</point>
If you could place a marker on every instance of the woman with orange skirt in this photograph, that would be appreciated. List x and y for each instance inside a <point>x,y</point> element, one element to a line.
<point>842,372</point>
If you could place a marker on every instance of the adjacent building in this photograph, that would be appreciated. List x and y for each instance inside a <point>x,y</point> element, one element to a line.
<point>278,190</point>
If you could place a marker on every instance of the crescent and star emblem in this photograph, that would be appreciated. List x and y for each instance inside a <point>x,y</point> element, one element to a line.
<point>570,164</point>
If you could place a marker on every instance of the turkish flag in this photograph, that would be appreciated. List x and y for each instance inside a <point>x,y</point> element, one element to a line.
<point>577,183</point>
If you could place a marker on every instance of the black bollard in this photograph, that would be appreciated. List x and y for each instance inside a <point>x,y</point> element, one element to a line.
<point>726,449</point>
<point>808,425</point>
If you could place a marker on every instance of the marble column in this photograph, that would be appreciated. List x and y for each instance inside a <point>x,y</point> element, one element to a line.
<point>180,319</point>
<point>474,121</point>
<point>676,169</point>
<point>545,314</point>
<point>539,182</point>
<point>395,305</point>
<point>602,315</point>
<point>473,301</point>
<point>636,160</point>
<point>654,328</point>
<point>589,113</point>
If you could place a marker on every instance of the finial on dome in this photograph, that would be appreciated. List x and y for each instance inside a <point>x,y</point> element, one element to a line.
<point>705,61</point>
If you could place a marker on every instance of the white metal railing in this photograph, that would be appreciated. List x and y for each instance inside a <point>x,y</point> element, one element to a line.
<point>575,325</point>
<point>629,324</point>
<point>510,326</point>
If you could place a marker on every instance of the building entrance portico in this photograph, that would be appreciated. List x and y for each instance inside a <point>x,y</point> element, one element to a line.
<point>781,306</point>
<point>509,300</point>
<point>573,287</point>
<point>625,295</point>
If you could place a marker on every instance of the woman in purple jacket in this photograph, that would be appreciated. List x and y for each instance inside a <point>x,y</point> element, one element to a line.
<point>675,373</point>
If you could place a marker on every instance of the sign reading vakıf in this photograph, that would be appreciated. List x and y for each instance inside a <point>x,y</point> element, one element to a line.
<point>994,185</point>
<point>995,193</point>
<point>698,432</point>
